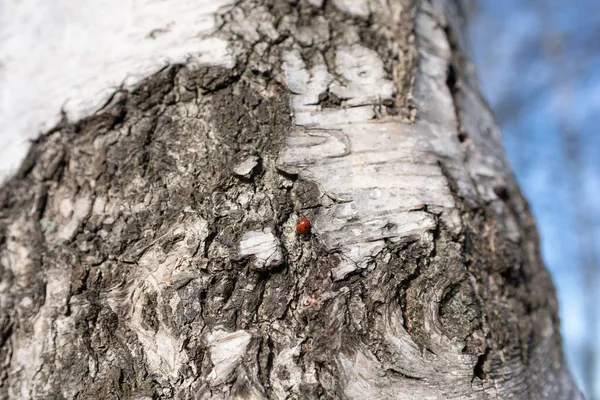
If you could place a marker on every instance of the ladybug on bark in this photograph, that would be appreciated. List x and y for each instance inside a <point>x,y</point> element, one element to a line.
<point>303,226</point>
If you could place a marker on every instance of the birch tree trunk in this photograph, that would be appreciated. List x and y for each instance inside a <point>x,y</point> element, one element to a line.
<point>148,249</point>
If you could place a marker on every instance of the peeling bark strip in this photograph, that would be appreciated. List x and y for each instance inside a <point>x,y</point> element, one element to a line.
<point>150,250</point>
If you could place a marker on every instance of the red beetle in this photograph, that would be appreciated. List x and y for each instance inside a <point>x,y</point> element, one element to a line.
<point>303,226</point>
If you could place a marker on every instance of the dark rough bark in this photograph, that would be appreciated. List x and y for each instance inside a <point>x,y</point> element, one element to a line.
<point>123,274</point>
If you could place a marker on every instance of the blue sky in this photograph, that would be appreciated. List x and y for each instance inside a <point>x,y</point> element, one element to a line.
<point>539,66</point>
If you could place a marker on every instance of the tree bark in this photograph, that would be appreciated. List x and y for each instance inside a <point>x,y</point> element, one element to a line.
<point>149,250</point>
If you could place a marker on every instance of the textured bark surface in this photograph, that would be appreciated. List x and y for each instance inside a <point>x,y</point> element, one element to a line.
<point>149,251</point>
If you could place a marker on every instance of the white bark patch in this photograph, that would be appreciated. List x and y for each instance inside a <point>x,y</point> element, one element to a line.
<point>81,210</point>
<point>16,258</point>
<point>364,75</point>
<point>286,375</point>
<point>245,168</point>
<point>264,246</point>
<point>29,350</point>
<point>377,174</point>
<point>164,353</point>
<point>163,350</point>
<point>359,8</point>
<point>61,55</point>
<point>365,379</point>
<point>226,351</point>
<point>344,269</point>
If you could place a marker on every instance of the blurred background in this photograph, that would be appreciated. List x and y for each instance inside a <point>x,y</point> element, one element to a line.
<point>539,66</point>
